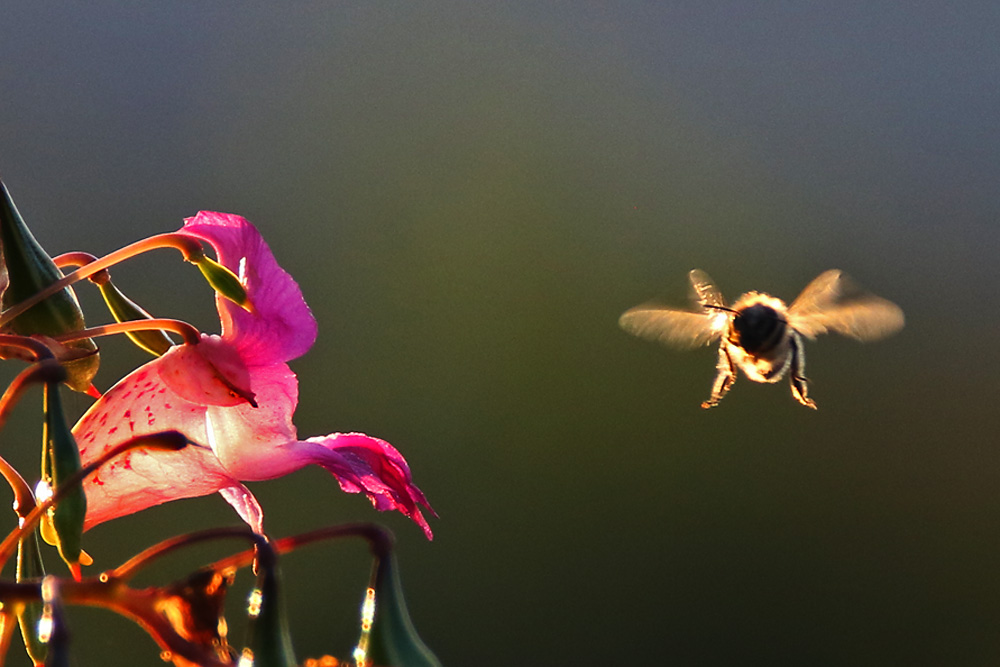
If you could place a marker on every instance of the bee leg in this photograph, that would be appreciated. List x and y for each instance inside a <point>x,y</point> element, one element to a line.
<point>724,378</point>
<point>800,389</point>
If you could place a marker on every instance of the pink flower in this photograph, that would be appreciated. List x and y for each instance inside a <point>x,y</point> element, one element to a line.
<point>234,395</point>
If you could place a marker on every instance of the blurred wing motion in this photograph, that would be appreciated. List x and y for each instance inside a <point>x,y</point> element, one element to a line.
<point>703,289</point>
<point>682,329</point>
<point>832,302</point>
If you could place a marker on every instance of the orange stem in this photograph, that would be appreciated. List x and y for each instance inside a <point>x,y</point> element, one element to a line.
<point>37,348</point>
<point>379,539</point>
<point>45,371</point>
<point>81,258</point>
<point>31,520</point>
<point>188,247</point>
<point>127,570</point>
<point>190,333</point>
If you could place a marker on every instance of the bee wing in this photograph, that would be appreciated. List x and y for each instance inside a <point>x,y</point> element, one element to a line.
<point>832,302</point>
<point>682,329</point>
<point>703,289</point>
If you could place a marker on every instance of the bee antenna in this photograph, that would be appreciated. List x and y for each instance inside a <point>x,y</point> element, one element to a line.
<point>714,307</point>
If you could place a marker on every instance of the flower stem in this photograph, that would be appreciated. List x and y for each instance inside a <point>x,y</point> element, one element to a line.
<point>48,370</point>
<point>35,347</point>
<point>127,570</point>
<point>379,539</point>
<point>189,332</point>
<point>188,247</point>
<point>170,440</point>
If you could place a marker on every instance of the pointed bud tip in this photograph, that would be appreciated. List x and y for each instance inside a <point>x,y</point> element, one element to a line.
<point>27,272</point>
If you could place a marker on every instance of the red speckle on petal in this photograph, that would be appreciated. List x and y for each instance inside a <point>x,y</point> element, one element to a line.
<point>111,431</point>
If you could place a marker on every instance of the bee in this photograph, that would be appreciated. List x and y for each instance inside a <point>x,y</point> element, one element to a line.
<point>759,334</point>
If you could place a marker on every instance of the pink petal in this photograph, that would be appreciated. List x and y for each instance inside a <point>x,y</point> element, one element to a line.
<point>143,403</point>
<point>246,506</point>
<point>260,443</point>
<point>190,389</point>
<point>248,441</point>
<point>282,326</point>
<point>362,463</point>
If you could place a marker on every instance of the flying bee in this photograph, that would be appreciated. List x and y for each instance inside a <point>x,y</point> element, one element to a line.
<point>759,333</point>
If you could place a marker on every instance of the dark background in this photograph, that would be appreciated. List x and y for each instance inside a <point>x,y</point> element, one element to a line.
<point>469,195</point>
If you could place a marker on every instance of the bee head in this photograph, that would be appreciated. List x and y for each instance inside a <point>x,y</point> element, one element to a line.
<point>758,323</point>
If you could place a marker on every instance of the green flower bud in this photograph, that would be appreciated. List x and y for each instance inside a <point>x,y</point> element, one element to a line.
<point>29,566</point>
<point>123,309</point>
<point>269,643</point>
<point>393,639</point>
<point>29,270</point>
<point>60,461</point>
<point>223,281</point>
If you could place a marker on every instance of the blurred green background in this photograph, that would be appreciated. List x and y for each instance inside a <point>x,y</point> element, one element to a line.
<point>469,194</point>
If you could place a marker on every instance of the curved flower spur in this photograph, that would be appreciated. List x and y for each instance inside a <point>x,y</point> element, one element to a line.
<point>759,334</point>
<point>235,394</point>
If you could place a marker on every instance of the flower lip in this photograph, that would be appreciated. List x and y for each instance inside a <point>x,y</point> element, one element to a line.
<point>208,373</point>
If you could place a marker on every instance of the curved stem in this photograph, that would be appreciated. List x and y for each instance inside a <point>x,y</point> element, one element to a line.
<point>80,258</point>
<point>129,568</point>
<point>141,606</point>
<point>188,247</point>
<point>48,370</point>
<point>190,334</point>
<point>23,497</point>
<point>170,440</point>
<point>36,347</point>
<point>8,621</point>
<point>110,590</point>
<point>380,541</point>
